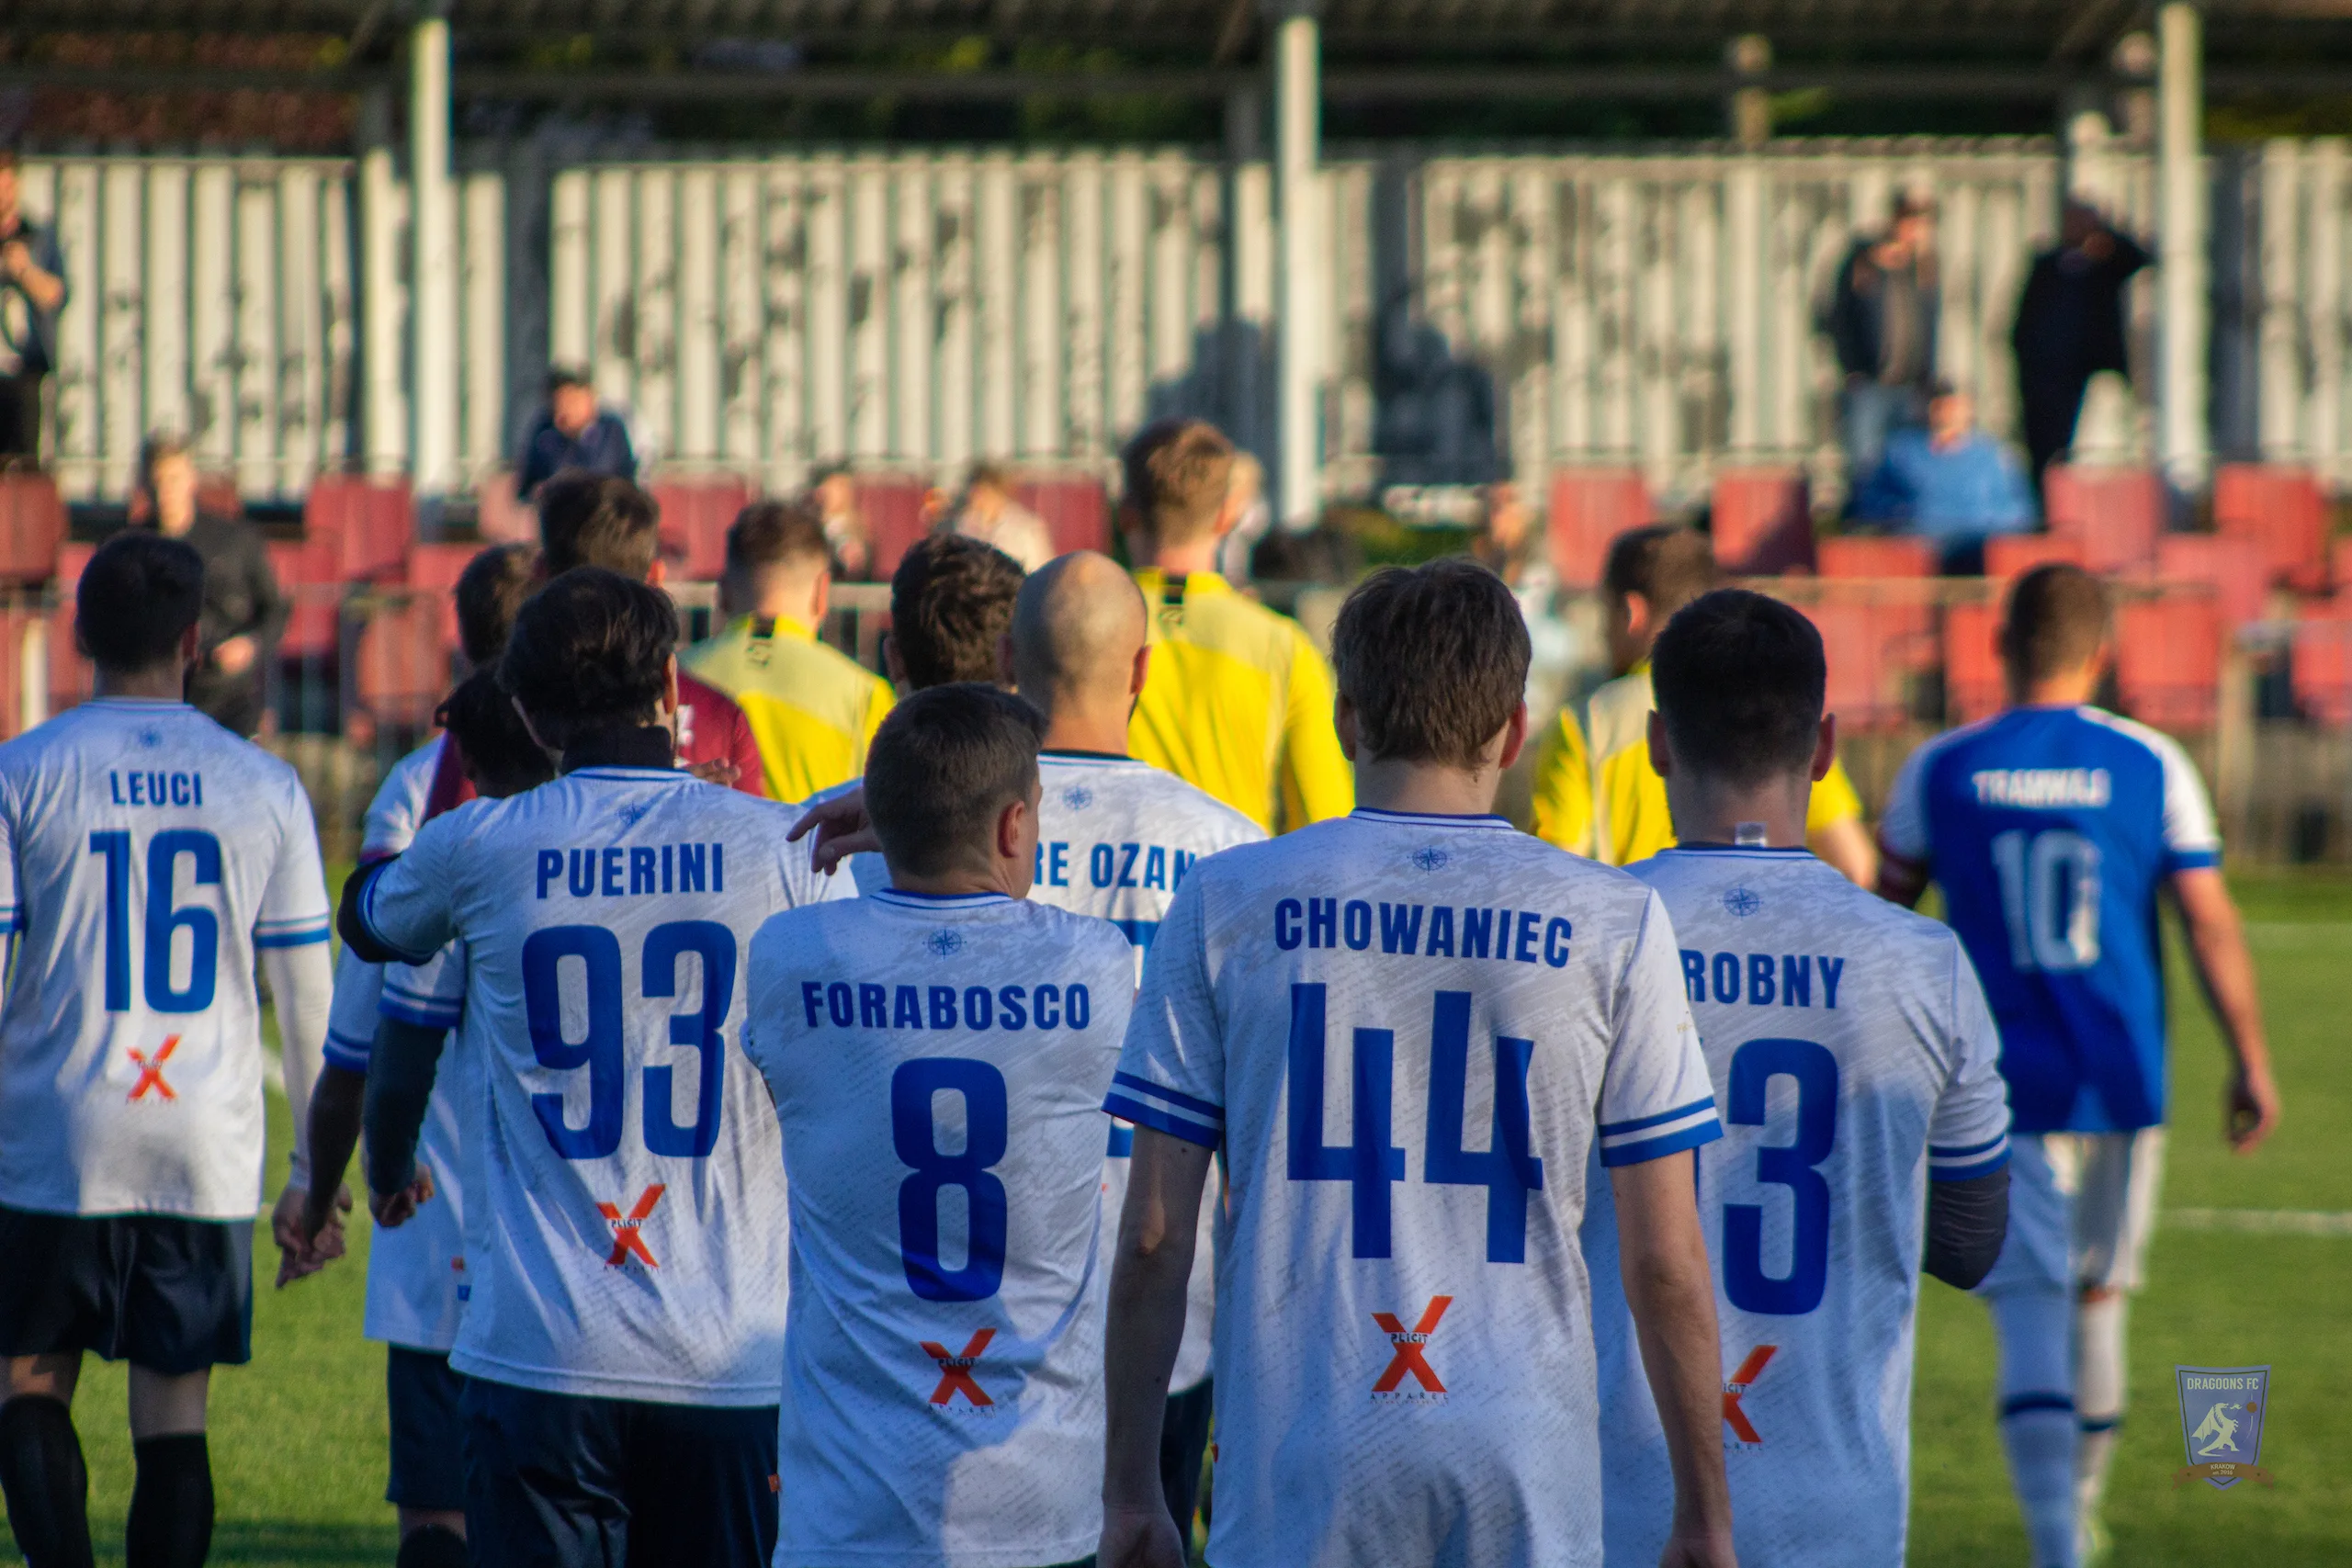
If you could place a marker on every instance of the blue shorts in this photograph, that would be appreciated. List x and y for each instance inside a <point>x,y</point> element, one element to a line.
<point>563,1481</point>
<point>428,1433</point>
<point>163,1292</point>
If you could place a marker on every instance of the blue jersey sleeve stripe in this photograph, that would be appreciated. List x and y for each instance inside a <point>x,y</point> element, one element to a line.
<point>289,939</point>
<point>284,922</point>
<point>351,1056</point>
<point>1161,1121</point>
<point>1611,1129</point>
<point>2191,860</point>
<point>1964,1151</point>
<point>424,1018</point>
<point>1968,1172</point>
<point>1690,1137</point>
<point>1181,1101</point>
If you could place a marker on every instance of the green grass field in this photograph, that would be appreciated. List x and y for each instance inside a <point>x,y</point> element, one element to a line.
<point>298,1439</point>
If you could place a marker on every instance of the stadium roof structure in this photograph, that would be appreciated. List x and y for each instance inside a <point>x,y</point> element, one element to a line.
<point>1393,50</point>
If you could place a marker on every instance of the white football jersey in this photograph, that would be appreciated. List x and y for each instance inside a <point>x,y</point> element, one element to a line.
<point>149,852</point>
<point>398,808</point>
<point>1854,1062</point>
<point>629,1165</point>
<point>1408,1075</point>
<point>416,1271</point>
<point>938,1066</point>
<point>1115,836</point>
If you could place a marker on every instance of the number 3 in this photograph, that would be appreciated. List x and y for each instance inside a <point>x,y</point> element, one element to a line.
<point>1753,1067</point>
<point>601,1050</point>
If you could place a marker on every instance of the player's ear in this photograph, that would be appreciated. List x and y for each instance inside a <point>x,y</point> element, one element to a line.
<point>820,597</point>
<point>1142,670</point>
<point>191,642</point>
<point>1825,747</point>
<point>1514,736</point>
<point>1661,750</point>
<point>1343,719</point>
<point>658,573</point>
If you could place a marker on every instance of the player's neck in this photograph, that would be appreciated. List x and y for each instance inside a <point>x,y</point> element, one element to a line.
<point>1186,559</point>
<point>163,683</point>
<point>1080,727</point>
<point>2071,691</point>
<point>1426,789</point>
<point>1770,815</point>
<point>962,880</point>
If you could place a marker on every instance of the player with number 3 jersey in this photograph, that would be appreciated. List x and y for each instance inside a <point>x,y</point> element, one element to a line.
<point>938,1052</point>
<point>623,1336</point>
<point>1854,1063</point>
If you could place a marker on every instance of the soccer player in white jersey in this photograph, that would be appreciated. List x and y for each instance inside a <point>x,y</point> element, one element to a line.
<point>622,1338</point>
<point>1855,1065</point>
<point>938,1053</point>
<point>1407,1029</point>
<point>1115,838</point>
<point>150,856</point>
<point>2055,829</point>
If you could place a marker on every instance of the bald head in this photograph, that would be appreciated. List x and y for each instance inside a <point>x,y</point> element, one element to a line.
<point>1077,627</point>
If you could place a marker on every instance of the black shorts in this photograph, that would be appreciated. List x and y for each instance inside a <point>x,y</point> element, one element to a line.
<point>428,1432</point>
<point>173,1296</point>
<point>565,1481</point>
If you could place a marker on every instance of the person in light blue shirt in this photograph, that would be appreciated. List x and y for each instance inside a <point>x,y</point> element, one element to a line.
<point>1950,481</point>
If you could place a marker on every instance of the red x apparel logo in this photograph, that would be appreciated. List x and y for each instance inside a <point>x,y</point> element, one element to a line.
<point>1750,1371</point>
<point>150,1070</point>
<point>955,1371</point>
<point>628,1240</point>
<point>1408,1343</point>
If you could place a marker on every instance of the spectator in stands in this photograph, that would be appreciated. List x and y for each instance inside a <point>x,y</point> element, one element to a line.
<point>987,512</point>
<point>602,520</point>
<point>1949,482</point>
<point>834,495</point>
<point>2070,327</point>
<point>1882,319</point>
<point>244,609</point>
<point>32,290</point>
<point>813,709</point>
<point>573,432</point>
<point>1253,515</point>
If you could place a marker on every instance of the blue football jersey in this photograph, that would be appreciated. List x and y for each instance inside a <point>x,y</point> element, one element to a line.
<point>2051,830</point>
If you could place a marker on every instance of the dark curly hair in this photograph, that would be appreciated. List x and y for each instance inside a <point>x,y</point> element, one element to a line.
<point>590,651</point>
<point>950,603</point>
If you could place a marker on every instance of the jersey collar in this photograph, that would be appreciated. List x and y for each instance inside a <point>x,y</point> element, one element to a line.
<point>1485,819</point>
<point>1072,754</point>
<point>1157,584</point>
<point>1776,851</point>
<point>907,898</point>
<point>771,626</point>
<point>143,704</point>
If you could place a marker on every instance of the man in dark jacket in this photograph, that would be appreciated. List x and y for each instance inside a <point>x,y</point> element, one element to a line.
<point>244,610</point>
<point>574,431</point>
<point>32,290</point>
<point>1881,320</point>
<point>2070,327</point>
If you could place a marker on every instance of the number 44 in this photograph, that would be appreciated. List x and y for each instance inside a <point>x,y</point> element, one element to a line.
<point>1505,1167</point>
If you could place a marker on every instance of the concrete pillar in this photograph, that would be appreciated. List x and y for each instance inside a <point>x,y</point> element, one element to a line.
<point>2184,318</point>
<point>433,266</point>
<point>1750,112</point>
<point>1298,122</point>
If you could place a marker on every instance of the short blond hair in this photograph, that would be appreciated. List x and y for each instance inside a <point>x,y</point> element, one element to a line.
<point>1178,476</point>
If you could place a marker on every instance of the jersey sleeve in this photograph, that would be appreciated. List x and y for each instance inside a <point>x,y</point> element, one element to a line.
<point>1968,1133</point>
<point>294,910</point>
<point>1656,1096</point>
<point>1834,800</point>
<point>1171,1076</point>
<point>431,994</point>
<point>1563,806</point>
<point>2192,842</point>
<point>406,907</point>
<point>13,917</point>
<point>1316,782</point>
<point>1903,830</point>
<point>351,1019</point>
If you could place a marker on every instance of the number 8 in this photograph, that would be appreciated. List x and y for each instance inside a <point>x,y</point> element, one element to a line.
<point>915,1135</point>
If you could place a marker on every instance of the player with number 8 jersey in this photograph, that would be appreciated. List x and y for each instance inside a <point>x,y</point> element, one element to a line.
<point>631,1173</point>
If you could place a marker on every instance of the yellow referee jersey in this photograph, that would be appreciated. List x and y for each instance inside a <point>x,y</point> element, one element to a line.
<point>1238,703</point>
<point>1597,795</point>
<point>812,708</point>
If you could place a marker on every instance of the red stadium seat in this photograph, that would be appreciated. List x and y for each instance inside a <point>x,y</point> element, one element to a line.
<point>2280,510</point>
<point>2236,569</point>
<point>433,571</point>
<point>1974,685</point>
<point>892,505</point>
<point>2169,659</point>
<point>400,665</point>
<point>2011,555</point>
<point>696,515</point>
<point>1874,644</point>
<point>69,672</point>
<point>363,526</point>
<point>1762,521</point>
<point>2321,669</point>
<point>1868,556</point>
<point>500,516</point>
<point>1589,508</point>
<point>310,572</point>
<point>32,521</point>
<point>2115,514</point>
<point>1075,507</point>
